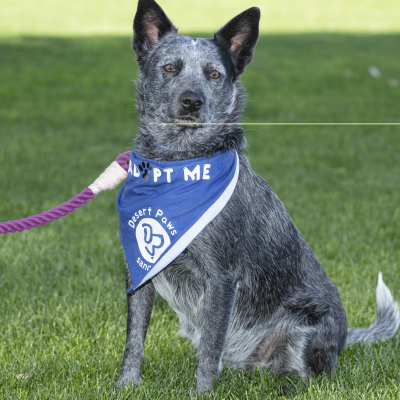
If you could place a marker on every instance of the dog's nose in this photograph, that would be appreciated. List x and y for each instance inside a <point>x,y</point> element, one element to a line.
<point>191,101</point>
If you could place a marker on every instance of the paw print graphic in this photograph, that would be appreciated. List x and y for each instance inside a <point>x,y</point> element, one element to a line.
<point>145,168</point>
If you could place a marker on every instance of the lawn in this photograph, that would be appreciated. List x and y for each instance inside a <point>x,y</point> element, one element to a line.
<point>77,18</point>
<point>67,110</point>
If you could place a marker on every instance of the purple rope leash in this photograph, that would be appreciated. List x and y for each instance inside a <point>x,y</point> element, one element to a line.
<point>68,207</point>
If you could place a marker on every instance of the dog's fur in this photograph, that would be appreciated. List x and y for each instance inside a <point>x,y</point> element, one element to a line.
<point>249,292</point>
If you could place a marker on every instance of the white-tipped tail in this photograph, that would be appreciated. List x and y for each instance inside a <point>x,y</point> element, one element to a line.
<point>387,318</point>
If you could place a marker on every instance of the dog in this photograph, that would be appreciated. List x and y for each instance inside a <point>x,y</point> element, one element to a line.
<point>248,290</point>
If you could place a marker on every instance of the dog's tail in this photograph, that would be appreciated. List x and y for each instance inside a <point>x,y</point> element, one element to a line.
<point>387,319</point>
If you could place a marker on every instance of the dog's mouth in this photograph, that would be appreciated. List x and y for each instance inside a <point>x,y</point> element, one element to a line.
<point>189,122</point>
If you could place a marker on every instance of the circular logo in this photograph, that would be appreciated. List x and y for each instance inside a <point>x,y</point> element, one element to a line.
<point>152,239</point>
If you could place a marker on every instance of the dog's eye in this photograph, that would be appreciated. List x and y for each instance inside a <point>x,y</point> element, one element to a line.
<point>170,68</point>
<point>214,74</point>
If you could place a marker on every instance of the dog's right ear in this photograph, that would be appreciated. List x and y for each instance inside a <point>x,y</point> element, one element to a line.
<point>149,25</point>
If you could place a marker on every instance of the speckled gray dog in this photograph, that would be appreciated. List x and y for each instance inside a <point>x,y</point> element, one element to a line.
<point>249,292</point>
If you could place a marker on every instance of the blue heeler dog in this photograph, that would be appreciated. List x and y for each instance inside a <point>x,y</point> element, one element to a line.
<point>248,290</point>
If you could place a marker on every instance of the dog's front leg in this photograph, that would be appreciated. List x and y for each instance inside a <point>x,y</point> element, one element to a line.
<point>140,306</point>
<point>219,300</point>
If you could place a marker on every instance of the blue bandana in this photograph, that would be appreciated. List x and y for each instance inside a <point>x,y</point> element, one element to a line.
<point>164,205</point>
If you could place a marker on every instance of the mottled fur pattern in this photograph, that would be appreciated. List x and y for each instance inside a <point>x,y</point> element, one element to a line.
<point>249,292</point>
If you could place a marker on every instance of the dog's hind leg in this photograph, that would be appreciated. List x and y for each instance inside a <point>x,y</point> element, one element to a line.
<point>140,306</point>
<point>325,346</point>
<point>218,303</point>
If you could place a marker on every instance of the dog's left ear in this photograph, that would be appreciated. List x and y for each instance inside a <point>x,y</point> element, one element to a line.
<point>240,35</point>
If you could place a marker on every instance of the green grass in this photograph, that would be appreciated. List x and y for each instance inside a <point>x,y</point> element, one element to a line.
<point>76,17</point>
<point>67,111</point>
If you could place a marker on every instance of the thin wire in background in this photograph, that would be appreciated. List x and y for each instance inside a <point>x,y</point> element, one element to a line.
<point>267,123</point>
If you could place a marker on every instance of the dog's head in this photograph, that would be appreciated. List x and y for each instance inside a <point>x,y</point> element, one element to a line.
<point>188,85</point>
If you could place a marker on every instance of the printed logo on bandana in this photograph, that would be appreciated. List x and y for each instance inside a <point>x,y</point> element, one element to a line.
<point>152,239</point>
<point>145,169</point>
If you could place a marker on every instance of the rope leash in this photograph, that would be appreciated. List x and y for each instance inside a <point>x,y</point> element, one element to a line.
<point>109,179</point>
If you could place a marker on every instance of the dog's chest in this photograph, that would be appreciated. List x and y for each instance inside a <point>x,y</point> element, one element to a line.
<point>182,286</point>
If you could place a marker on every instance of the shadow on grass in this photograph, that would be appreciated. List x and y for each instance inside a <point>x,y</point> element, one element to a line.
<point>293,78</point>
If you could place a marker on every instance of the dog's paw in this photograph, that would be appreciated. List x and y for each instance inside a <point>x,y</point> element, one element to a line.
<point>204,388</point>
<point>145,168</point>
<point>128,379</point>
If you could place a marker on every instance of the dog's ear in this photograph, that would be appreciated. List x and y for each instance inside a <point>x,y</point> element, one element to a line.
<point>149,25</point>
<point>240,36</point>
